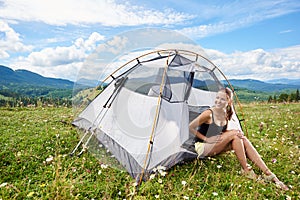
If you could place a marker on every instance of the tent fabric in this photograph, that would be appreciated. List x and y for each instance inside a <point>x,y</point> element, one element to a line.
<point>142,116</point>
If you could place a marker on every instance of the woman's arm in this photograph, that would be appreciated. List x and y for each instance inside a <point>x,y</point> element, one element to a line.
<point>204,117</point>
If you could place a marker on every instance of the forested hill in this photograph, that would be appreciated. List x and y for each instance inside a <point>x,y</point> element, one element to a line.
<point>11,78</point>
<point>275,86</point>
<point>23,83</point>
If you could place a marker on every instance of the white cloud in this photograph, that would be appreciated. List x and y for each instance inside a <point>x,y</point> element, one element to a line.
<point>259,64</point>
<point>60,62</point>
<point>238,14</point>
<point>10,41</point>
<point>105,12</point>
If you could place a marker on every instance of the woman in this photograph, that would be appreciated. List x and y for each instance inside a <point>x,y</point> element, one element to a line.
<point>213,137</point>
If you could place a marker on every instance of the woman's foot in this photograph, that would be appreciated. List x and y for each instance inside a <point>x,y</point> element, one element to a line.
<point>270,177</point>
<point>249,173</point>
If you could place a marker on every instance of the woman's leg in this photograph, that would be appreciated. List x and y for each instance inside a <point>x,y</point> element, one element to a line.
<point>229,140</point>
<point>253,155</point>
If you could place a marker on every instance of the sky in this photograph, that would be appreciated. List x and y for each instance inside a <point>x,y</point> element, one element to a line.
<point>246,39</point>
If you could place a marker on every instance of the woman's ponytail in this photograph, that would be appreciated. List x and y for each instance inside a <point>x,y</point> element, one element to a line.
<point>229,108</point>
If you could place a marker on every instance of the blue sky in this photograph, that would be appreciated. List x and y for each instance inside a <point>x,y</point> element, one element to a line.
<point>246,39</point>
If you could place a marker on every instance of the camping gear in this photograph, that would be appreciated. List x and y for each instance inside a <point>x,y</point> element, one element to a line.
<point>142,115</point>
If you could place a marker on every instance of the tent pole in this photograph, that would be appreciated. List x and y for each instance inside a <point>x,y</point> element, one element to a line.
<point>79,143</point>
<point>155,119</point>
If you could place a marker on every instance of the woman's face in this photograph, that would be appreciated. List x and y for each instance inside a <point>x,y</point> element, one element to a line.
<point>221,100</point>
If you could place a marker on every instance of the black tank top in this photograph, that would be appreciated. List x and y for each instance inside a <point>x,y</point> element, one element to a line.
<point>210,130</point>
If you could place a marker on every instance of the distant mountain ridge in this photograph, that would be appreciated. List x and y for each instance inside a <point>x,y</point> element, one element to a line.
<point>11,77</point>
<point>285,81</point>
<point>24,79</point>
<point>261,86</point>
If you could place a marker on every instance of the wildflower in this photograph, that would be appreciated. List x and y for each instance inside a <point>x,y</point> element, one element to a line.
<point>152,176</point>
<point>30,194</point>
<point>274,160</point>
<point>42,185</point>
<point>160,180</point>
<point>183,183</point>
<point>185,197</point>
<point>219,166</point>
<point>134,184</point>
<point>3,185</point>
<point>288,197</point>
<point>49,159</point>
<point>103,166</point>
<point>99,172</point>
<point>162,173</point>
<point>156,196</point>
<point>215,193</point>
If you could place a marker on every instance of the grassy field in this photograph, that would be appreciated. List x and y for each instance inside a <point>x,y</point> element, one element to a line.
<point>35,164</point>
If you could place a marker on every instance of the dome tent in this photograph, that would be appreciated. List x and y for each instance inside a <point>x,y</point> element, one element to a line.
<point>142,115</point>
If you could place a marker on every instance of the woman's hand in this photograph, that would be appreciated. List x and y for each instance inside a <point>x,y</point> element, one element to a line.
<point>235,132</point>
<point>213,139</point>
<point>240,134</point>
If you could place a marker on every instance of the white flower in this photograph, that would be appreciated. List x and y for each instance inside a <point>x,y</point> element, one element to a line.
<point>49,159</point>
<point>185,197</point>
<point>134,184</point>
<point>160,180</point>
<point>103,166</point>
<point>219,166</point>
<point>99,172</point>
<point>288,197</point>
<point>162,173</point>
<point>156,196</point>
<point>3,185</point>
<point>152,176</point>
<point>215,193</point>
<point>183,183</point>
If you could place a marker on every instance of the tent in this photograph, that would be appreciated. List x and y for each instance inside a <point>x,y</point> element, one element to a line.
<point>142,115</point>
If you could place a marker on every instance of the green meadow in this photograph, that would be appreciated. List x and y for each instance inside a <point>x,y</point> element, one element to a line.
<point>35,144</point>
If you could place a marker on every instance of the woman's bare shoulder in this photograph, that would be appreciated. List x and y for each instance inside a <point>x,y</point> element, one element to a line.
<point>206,114</point>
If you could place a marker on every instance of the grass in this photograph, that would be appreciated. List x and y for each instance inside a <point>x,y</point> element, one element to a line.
<point>35,161</point>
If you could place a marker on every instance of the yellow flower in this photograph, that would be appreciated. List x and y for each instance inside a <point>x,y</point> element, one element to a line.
<point>30,194</point>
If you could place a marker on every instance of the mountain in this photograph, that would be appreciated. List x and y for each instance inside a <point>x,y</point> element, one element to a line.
<point>26,83</point>
<point>22,77</point>
<point>285,81</point>
<point>16,83</point>
<point>261,86</point>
